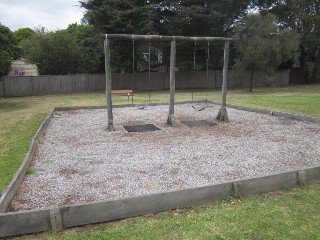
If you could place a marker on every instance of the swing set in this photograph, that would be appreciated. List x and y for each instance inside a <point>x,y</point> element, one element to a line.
<point>207,77</point>
<point>222,115</point>
<point>149,71</point>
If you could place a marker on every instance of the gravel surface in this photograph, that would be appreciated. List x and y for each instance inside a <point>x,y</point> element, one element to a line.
<point>78,161</point>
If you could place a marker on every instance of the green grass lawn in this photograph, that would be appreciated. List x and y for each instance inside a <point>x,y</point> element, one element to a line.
<point>293,214</point>
<point>20,118</point>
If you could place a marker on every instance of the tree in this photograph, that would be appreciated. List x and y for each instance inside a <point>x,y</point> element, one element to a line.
<point>198,17</point>
<point>304,17</point>
<point>54,53</point>
<point>168,17</point>
<point>23,34</point>
<point>261,45</point>
<point>126,16</point>
<point>113,16</point>
<point>5,63</point>
<point>8,50</point>
<point>91,46</point>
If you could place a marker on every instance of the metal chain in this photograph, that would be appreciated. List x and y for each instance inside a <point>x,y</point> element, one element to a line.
<point>208,59</point>
<point>149,70</point>
<point>194,67</point>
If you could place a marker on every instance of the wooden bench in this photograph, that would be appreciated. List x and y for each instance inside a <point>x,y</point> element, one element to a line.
<point>123,93</point>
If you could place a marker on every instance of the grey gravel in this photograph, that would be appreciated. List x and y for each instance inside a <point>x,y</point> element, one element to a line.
<point>78,161</point>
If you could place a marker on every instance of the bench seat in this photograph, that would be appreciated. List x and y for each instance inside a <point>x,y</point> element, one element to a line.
<point>123,93</point>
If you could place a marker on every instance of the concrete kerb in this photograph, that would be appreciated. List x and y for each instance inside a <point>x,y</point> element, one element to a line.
<point>17,223</point>
<point>295,117</point>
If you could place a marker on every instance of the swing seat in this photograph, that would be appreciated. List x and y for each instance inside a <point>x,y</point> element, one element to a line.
<point>127,92</point>
<point>201,108</point>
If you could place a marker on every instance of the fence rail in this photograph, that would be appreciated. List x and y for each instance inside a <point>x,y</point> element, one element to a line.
<point>44,85</point>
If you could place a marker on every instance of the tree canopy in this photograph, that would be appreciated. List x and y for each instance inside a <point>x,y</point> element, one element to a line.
<point>164,17</point>
<point>189,18</point>
<point>302,16</point>
<point>54,53</point>
<point>261,45</point>
<point>91,47</point>
<point>23,34</point>
<point>77,49</point>
<point>8,50</point>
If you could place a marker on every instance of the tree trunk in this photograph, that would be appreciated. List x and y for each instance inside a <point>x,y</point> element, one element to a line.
<point>170,119</point>
<point>251,81</point>
<point>303,62</point>
<point>108,85</point>
<point>223,115</point>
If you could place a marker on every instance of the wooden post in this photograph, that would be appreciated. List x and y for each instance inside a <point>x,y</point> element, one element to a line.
<point>171,120</point>
<point>108,84</point>
<point>223,115</point>
<point>164,38</point>
<point>56,220</point>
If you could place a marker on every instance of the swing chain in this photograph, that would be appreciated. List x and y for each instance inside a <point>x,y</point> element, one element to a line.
<point>194,68</point>
<point>208,59</point>
<point>149,76</point>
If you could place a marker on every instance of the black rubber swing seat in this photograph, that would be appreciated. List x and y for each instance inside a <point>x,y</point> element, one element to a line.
<point>141,128</point>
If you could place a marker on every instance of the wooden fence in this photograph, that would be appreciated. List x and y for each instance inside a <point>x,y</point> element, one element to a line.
<point>44,85</point>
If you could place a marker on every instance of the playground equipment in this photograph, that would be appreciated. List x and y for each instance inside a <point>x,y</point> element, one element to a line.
<point>207,76</point>
<point>149,71</point>
<point>222,115</point>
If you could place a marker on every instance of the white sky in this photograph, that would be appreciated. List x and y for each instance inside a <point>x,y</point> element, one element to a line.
<point>51,14</point>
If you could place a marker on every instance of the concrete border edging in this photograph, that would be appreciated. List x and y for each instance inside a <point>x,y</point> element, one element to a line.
<point>295,117</point>
<point>141,205</point>
<point>9,192</point>
<point>291,116</point>
<point>56,219</point>
<point>18,223</point>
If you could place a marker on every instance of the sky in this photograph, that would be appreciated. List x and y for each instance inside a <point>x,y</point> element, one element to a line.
<point>51,14</point>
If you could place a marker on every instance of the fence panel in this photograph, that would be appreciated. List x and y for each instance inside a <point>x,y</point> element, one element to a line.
<point>219,78</point>
<point>18,86</point>
<point>297,76</point>
<point>96,82</point>
<point>66,84</point>
<point>1,89</point>
<point>41,85</point>
<point>234,80</point>
<point>46,85</point>
<point>79,83</point>
<point>119,80</point>
<point>183,80</point>
<point>283,77</point>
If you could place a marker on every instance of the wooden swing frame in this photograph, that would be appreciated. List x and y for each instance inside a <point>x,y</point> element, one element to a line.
<point>222,115</point>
